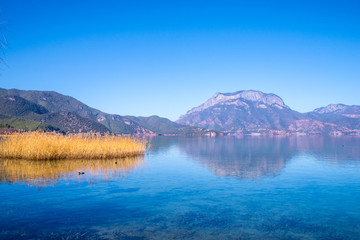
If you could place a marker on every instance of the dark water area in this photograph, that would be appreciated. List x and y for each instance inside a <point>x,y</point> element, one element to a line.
<point>190,188</point>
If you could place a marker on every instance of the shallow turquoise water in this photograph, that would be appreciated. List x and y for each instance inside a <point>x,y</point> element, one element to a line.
<point>192,188</point>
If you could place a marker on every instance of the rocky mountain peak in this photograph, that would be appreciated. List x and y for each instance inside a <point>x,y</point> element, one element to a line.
<point>331,108</point>
<point>240,98</point>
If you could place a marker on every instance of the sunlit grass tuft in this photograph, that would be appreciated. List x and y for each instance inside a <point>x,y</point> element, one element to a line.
<point>51,146</point>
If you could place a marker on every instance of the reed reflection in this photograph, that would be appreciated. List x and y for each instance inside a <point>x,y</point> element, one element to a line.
<point>50,172</point>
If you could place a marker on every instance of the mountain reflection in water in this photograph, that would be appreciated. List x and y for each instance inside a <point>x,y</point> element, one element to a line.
<point>256,157</point>
<point>50,172</point>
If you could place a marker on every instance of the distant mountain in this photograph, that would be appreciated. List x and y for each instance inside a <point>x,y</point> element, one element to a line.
<point>340,109</point>
<point>338,114</point>
<point>69,114</point>
<point>242,112</point>
<point>164,126</point>
<point>255,112</point>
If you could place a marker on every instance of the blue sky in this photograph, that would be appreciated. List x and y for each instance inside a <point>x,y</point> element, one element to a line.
<point>162,58</point>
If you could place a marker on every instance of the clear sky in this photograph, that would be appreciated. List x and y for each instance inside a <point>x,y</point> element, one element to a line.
<point>162,58</point>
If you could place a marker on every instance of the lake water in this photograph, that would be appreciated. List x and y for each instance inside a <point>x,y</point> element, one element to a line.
<point>190,188</point>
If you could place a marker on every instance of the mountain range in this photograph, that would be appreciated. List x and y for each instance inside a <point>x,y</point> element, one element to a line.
<point>255,112</point>
<point>243,112</point>
<point>48,110</point>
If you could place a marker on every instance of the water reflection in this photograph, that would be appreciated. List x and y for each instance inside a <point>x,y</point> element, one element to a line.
<point>337,150</point>
<point>49,173</point>
<point>243,158</point>
<point>161,144</point>
<point>254,157</point>
<point>247,158</point>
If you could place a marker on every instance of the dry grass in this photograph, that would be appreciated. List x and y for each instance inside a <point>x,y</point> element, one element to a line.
<point>49,172</point>
<point>51,146</point>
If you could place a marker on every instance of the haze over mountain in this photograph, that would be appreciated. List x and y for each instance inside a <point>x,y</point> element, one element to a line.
<point>68,114</point>
<point>255,112</point>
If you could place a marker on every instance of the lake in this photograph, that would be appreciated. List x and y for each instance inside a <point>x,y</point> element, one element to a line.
<point>190,188</point>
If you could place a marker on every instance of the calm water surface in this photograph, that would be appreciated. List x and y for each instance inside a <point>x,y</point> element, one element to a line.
<point>190,188</point>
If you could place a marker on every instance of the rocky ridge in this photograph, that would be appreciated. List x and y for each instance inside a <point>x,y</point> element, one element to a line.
<point>255,112</point>
<point>239,99</point>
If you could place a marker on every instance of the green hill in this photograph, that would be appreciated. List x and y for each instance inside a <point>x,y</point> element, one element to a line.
<point>18,106</point>
<point>24,124</point>
<point>56,102</point>
<point>70,122</point>
<point>23,114</point>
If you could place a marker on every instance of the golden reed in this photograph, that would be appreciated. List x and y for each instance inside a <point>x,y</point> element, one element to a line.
<point>51,146</point>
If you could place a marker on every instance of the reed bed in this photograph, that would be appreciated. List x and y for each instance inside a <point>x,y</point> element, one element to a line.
<point>54,146</point>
